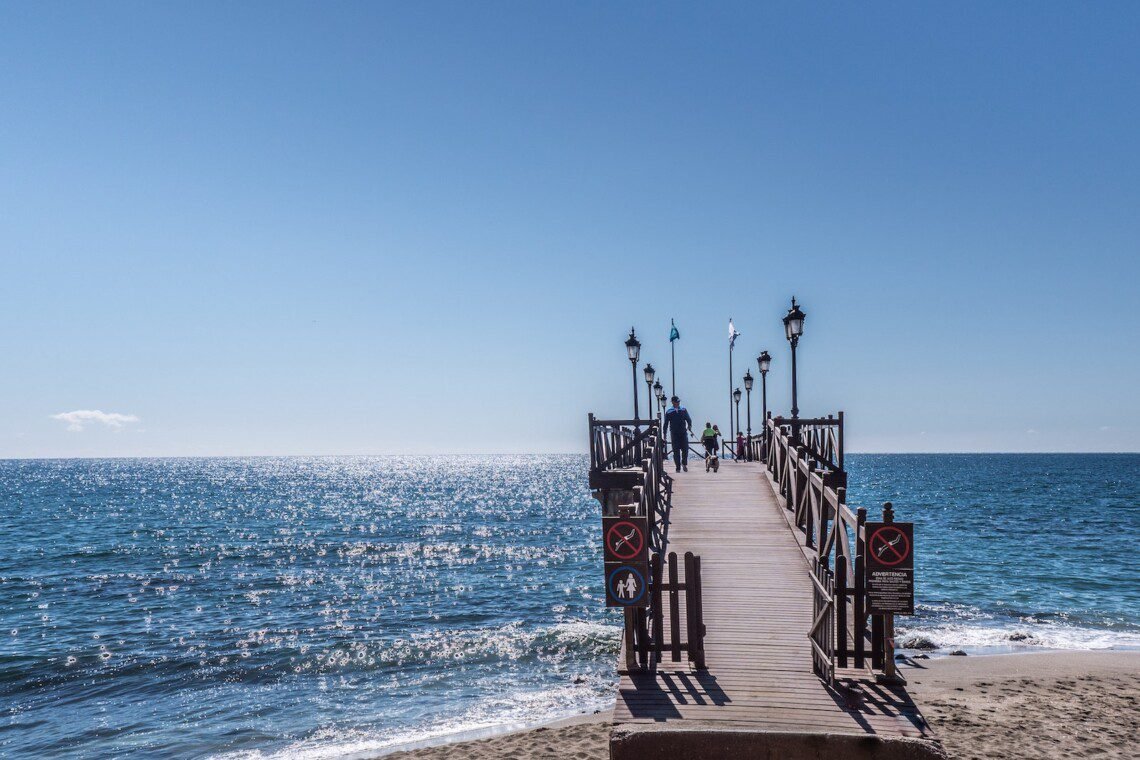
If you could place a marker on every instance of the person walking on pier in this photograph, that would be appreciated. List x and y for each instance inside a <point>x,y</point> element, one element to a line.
<point>678,426</point>
<point>740,455</point>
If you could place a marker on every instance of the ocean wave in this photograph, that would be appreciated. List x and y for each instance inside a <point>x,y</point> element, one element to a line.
<point>260,658</point>
<point>488,717</point>
<point>514,641</point>
<point>570,647</point>
<point>1013,634</point>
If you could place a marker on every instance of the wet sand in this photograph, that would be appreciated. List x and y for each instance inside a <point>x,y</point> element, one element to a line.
<point>1041,705</point>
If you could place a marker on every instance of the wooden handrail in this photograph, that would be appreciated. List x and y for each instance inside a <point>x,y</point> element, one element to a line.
<point>619,449</point>
<point>805,458</point>
<point>629,446</point>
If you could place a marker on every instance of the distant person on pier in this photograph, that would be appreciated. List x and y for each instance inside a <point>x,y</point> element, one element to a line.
<point>740,455</point>
<point>708,438</point>
<point>678,426</point>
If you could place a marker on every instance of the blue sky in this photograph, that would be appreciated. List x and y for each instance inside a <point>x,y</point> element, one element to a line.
<point>280,228</point>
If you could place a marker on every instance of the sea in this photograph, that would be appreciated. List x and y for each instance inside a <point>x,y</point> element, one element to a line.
<point>347,607</point>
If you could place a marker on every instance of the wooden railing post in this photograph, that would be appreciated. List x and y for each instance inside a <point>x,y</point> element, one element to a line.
<point>883,626</point>
<point>825,518</point>
<point>860,632</point>
<point>674,610</point>
<point>841,442</point>
<point>657,580</point>
<point>690,608</point>
<point>630,646</point>
<point>841,601</point>
<point>840,529</point>
<point>696,602</point>
<point>808,501</point>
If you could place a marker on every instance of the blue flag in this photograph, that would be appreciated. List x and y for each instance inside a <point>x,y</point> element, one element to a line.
<point>674,333</point>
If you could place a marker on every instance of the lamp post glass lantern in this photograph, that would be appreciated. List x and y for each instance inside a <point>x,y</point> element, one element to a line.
<point>794,322</point>
<point>793,329</point>
<point>649,375</point>
<point>736,394</point>
<point>659,393</point>
<point>748,380</point>
<point>633,350</point>
<point>764,362</point>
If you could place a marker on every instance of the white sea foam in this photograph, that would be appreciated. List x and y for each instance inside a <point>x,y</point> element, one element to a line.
<point>496,713</point>
<point>487,718</point>
<point>949,635</point>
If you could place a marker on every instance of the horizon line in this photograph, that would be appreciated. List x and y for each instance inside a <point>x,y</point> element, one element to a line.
<point>522,453</point>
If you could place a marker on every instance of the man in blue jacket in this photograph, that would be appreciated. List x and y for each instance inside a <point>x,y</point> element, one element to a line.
<point>678,426</point>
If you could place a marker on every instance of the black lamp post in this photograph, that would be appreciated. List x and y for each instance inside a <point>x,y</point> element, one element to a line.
<point>748,396</point>
<point>793,329</point>
<point>736,397</point>
<point>633,349</point>
<point>659,391</point>
<point>649,374</point>
<point>764,361</point>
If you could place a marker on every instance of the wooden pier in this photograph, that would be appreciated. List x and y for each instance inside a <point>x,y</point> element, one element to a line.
<point>781,665</point>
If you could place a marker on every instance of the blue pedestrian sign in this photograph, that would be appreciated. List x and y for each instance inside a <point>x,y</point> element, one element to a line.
<point>627,584</point>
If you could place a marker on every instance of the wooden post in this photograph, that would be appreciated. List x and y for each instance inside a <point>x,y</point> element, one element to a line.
<point>841,600</point>
<point>891,675</point>
<point>821,525</point>
<point>643,638</point>
<point>877,636</point>
<point>860,631</point>
<point>630,649</point>
<point>890,672</point>
<point>593,448</point>
<point>674,610</point>
<point>841,440</point>
<point>809,507</point>
<point>690,607</point>
<point>699,660</point>
<point>655,606</point>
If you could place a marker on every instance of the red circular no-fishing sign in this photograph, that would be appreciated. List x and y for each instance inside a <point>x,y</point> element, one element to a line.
<point>889,546</point>
<point>625,540</point>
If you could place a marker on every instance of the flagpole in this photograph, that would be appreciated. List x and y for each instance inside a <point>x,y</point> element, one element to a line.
<point>732,436</point>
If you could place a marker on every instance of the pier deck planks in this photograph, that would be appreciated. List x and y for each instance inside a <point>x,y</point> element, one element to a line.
<point>757,610</point>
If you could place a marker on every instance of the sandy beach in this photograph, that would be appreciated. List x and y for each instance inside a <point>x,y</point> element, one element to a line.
<point>1040,705</point>
<point>1050,704</point>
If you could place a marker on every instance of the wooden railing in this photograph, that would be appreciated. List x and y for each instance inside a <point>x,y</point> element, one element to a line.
<point>628,476</point>
<point>806,461</point>
<point>666,594</point>
<point>823,629</point>
<point>626,458</point>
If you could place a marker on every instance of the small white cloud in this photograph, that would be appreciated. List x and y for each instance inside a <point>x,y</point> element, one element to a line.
<point>1104,428</point>
<point>80,418</point>
<point>1031,431</point>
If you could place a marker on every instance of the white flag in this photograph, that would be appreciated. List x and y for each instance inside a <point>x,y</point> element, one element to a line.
<point>732,333</point>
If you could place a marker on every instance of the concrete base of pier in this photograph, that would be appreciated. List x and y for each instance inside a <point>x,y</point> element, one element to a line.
<point>707,742</point>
